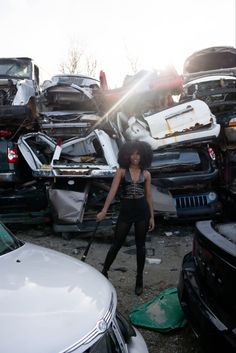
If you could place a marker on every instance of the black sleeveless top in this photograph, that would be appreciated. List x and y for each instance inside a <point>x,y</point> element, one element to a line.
<point>130,189</point>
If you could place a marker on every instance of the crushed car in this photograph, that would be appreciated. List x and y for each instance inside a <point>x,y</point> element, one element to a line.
<point>19,92</point>
<point>210,75</point>
<point>76,171</point>
<point>19,87</point>
<point>144,91</point>
<point>189,175</point>
<point>65,304</point>
<point>186,122</point>
<point>92,156</point>
<point>206,286</point>
<point>67,105</point>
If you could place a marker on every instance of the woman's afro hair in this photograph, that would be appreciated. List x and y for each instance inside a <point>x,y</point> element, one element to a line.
<point>129,148</point>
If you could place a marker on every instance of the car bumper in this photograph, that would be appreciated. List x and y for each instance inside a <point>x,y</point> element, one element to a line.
<point>9,177</point>
<point>200,312</point>
<point>202,213</point>
<point>188,179</point>
<point>137,344</point>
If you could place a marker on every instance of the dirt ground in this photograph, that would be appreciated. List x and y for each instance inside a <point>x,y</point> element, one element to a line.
<point>168,242</point>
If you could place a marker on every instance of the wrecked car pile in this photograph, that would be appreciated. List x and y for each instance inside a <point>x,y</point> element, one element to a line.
<point>23,199</point>
<point>69,149</point>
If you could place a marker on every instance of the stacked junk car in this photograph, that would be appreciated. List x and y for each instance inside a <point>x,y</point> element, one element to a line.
<point>65,148</point>
<point>207,280</point>
<point>59,145</point>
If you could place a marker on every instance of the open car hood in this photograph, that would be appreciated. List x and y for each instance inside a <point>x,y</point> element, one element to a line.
<point>211,60</point>
<point>202,60</point>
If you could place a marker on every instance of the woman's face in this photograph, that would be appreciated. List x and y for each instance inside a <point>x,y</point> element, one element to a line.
<point>135,158</point>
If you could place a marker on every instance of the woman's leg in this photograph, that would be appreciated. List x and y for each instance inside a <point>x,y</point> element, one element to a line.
<point>121,231</point>
<point>141,228</point>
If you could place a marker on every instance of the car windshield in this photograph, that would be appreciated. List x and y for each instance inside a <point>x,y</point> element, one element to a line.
<point>7,241</point>
<point>15,68</point>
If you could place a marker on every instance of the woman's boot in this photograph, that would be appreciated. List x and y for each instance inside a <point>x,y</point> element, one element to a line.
<point>139,285</point>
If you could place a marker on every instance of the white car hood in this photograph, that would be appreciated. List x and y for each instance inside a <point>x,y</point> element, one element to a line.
<point>49,301</point>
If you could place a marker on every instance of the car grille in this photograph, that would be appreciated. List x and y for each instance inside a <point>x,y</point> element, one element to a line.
<point>191,201</point>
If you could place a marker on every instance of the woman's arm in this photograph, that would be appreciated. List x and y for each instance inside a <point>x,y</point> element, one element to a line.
<point>148,196</point>
<point>113,190</point>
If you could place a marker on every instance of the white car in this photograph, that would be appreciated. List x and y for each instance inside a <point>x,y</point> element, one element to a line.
<point>54,303</point>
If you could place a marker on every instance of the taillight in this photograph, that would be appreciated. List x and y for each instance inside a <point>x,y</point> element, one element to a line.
<point>12,155</point>
<point>5,133</point>
<point>232,122</point>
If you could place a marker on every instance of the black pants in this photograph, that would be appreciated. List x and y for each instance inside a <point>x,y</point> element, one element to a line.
<point>121,232</point>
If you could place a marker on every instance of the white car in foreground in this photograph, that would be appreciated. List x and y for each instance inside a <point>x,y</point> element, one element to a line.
<point>54,303</point>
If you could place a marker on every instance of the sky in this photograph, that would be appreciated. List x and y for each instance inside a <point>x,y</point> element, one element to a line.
<point>114,32</point>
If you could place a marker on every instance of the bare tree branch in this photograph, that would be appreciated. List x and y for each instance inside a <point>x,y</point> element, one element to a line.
<point>133,60</point>
<point>77,62</point>
<point>91,65</point>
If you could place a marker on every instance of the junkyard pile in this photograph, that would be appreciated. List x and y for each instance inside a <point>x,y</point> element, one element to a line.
<point>59,142</point>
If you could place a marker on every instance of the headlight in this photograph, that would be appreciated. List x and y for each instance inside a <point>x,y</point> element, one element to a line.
<point>212,196</point>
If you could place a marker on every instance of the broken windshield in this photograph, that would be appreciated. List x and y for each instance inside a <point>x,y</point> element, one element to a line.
<point>15,68</point>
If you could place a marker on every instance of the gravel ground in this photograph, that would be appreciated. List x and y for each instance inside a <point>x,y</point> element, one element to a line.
<point>167,242</point>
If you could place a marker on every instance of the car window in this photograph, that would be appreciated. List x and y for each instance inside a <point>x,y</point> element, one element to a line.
<point>15,69</point>
<point>7,241</point>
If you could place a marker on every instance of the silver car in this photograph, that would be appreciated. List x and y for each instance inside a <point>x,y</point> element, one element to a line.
<point>54,303</point>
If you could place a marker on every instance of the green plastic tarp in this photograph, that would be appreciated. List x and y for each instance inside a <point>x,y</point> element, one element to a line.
<point>162,313</point>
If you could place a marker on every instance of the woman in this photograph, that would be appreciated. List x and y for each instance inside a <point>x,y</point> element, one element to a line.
<point>136,204</point>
